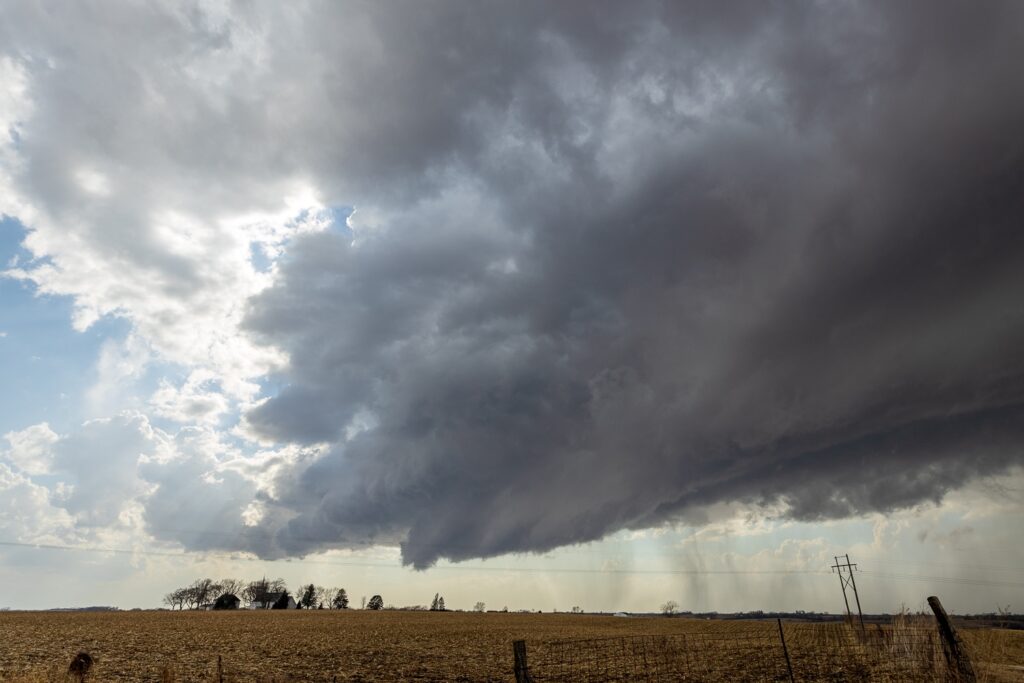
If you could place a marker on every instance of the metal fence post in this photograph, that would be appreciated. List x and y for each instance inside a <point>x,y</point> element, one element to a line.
<point>956,655</point>
<point>520,667</point>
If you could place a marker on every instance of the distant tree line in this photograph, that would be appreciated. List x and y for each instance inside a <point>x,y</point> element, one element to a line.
<point>274,594</point>
<point>265,593</point>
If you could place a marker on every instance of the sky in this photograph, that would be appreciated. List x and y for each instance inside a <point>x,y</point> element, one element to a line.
<point>542,305</point>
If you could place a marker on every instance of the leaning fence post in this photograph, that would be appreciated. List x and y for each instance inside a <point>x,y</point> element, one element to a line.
<point>785,651</point>
<point>521,668</point>
<point>952,646</point>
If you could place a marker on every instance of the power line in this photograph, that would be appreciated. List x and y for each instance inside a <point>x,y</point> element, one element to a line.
<point>525,570</point>
<point>871,560</point>
<point>372,565</point>
<point>962,580</point>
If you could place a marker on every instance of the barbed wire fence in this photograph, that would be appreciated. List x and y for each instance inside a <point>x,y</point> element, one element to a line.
<point>907,650</point>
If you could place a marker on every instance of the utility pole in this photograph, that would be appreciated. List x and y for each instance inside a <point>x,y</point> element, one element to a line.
<point>848,580</point>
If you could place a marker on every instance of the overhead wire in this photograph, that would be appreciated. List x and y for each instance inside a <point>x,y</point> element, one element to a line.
<point>961,580</point>
<point>871,559</point>
<point>235,557</point>
<point>378,565</point>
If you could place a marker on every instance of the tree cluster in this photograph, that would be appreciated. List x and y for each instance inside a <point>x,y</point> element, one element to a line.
<point>274,594</point>
<point>200,592</point>
<point>269,593</point>
<point>261,591</point>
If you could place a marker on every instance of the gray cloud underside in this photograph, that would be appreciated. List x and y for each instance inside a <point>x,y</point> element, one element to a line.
<point>617,264</point>
<point>806,290</point>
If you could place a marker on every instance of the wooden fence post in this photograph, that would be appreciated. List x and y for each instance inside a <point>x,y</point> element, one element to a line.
<point>956,655</point>
<point>785,651</point>
<point>521,668</point>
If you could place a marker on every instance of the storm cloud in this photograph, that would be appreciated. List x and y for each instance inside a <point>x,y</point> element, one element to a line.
<point>658,258</point>
<point>489,278</point>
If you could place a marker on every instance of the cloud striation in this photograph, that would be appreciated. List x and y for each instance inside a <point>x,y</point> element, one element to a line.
<point>666,259</point>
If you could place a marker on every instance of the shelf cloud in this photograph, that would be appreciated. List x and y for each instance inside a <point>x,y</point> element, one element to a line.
<point>658,262</point>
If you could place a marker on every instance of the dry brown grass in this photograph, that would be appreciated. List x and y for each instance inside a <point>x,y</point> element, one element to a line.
<point>998,654</point>
<point>354,645</point>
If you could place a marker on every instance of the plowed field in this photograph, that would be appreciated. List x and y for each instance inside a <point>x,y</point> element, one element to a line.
<point>347,645</point>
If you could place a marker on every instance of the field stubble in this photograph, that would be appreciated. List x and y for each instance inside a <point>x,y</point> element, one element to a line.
<point>343,645</point>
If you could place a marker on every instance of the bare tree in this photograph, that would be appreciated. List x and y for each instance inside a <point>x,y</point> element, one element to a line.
<point>189,595</point>
<point>257,591</point>
<point>670,608</point>
<point>202,591</point>
<point>234,586</point>
<point>176,598</point>
<point>479,607</point>
<point>260,590</point>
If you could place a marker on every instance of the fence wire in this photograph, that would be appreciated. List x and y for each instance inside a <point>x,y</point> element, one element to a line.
<point>837,652</point>
<point>819,652</point>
